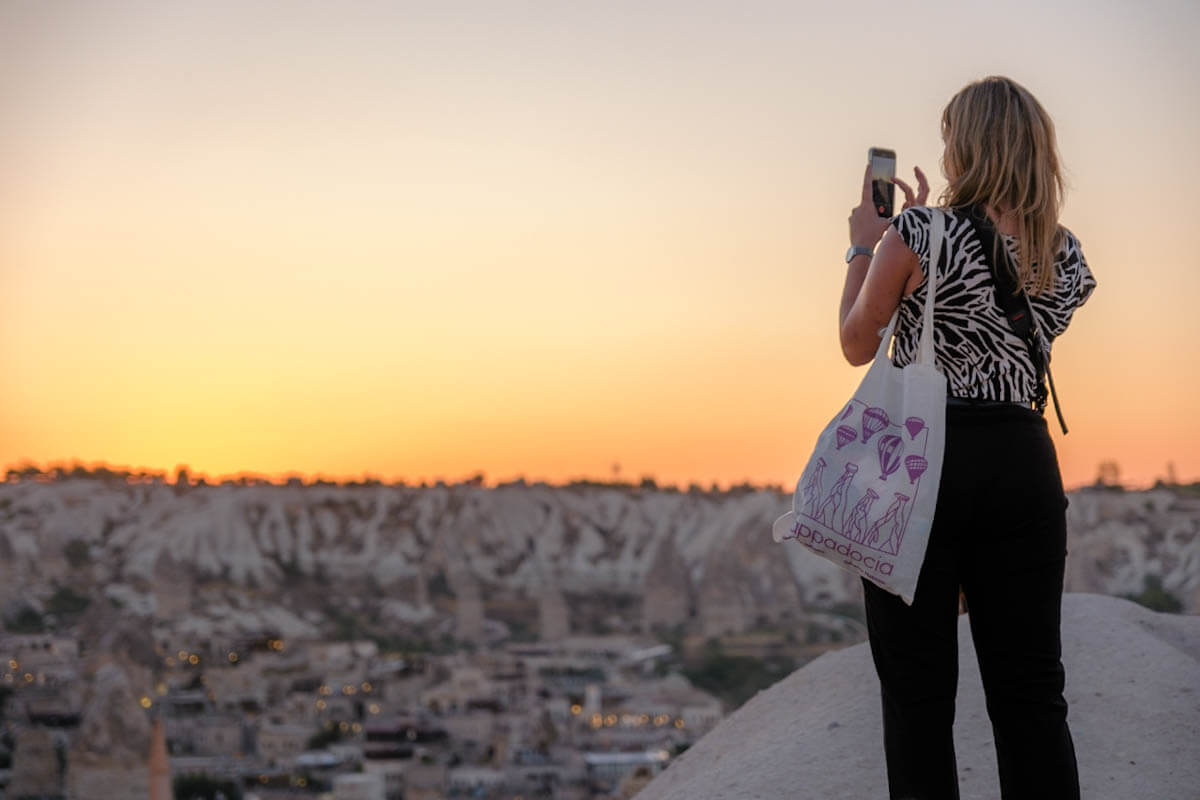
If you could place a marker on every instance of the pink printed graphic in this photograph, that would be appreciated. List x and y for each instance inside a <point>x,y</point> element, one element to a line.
<point>893,520</point>
<point>916,465</point>
<point>845,435</point>
<point>873,421</point>
<point>812,489</point>
<point>855,528</point>
<point>890,447</point>
<point>828,512</point>
<point>848,510</point>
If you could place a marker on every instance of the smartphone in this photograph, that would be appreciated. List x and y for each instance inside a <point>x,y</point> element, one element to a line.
<point>883,169</point>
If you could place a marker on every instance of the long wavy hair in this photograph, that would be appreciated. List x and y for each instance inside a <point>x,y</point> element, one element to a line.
<point>1001,154</point>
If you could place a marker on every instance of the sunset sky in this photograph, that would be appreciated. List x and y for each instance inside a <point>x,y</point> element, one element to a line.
<point>421,240</point>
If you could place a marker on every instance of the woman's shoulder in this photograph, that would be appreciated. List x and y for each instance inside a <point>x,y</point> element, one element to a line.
<point>913,225</point>
<point>1068,243</point>
<point>915,216</point>
<point>1074,274</point>
<point>920,218</point>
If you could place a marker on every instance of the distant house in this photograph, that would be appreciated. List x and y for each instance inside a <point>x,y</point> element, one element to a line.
<point>421,782</point>
<point>219,735</point>
<point>476,780</point>
<point>44,656</point>
<point>606,770</point>
<point>397,737</point>
<point>237,688</point>
<point>466,684</point>
<point>281,743</point>
<point>358,787</point>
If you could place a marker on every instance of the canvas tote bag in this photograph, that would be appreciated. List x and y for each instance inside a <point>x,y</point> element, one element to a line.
<point>865,501</point>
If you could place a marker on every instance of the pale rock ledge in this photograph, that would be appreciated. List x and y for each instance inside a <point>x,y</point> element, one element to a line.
<point>1133,685</point>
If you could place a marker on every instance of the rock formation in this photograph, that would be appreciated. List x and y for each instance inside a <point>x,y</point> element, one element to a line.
<point>553,614</point>
<point>113,740</point>
<point>667,597</point>
<point>295,550</point>
<point>38,764</point>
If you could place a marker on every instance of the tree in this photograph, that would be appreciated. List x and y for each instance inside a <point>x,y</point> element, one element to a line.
<point>66,601</point>
<point>78,553</point>
<point>1108,474</point>
<point>27,620</point>
<point>199,786</point>
<point>1155,597</point>
<point>325,736</point>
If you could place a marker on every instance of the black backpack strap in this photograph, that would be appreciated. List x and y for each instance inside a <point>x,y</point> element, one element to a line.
<point>1017,309</point>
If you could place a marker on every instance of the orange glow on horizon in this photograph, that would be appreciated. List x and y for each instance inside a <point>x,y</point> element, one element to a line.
<point>404,241</point>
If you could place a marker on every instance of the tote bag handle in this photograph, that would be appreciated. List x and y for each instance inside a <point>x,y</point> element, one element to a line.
<point>937,225</point>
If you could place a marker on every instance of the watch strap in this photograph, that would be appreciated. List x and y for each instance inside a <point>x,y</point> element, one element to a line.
<point>858,250</point>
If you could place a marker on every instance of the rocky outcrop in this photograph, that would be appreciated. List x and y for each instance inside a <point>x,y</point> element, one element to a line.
<point>1115,540</point>
<point>1133,684</point>
<point>230,561</point>
<point>669,595</point>
<point>113,740</point>
<point>38,763</point>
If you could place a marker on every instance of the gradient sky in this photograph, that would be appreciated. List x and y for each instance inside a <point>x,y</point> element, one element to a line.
<point>419,240</point>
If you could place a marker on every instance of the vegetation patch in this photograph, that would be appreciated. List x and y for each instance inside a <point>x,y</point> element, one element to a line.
<point>735,679</point>
<point>1155,597</point>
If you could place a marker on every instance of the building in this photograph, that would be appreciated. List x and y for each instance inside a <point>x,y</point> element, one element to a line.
<point>280,743</point>
<point>362,786</point>
<point>475,781</point>
<point>37,764</point>
<point>466,685</point>
<point>219,735</point>
<point>605,771</point>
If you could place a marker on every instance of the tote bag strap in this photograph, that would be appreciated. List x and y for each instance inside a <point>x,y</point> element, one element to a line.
<point>937,224</point>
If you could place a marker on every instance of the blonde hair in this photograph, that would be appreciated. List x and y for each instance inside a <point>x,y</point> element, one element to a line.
<point>1001,154</point>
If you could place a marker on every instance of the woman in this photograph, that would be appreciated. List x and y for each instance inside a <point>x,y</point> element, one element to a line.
<point>999,531</point>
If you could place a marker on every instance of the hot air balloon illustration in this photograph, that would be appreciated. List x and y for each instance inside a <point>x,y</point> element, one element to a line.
<point>890,447</point>
<point>845,435</point>
<point>873,421</point>
<point>915,425</point>
<point>849,408</point>
<point>915,466</point>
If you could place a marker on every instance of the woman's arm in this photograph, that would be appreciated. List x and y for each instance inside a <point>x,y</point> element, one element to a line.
<point>871,295</point>
<point>874,286</point>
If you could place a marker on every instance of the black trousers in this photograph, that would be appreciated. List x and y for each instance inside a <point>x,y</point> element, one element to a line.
<point>999,533</point>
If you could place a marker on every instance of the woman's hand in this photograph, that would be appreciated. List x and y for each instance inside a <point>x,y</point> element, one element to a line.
<point>922,190</point>
<point>873,290</point>
<point>866,226</point>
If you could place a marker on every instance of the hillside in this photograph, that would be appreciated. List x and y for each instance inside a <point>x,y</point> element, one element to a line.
<point>297,560</point>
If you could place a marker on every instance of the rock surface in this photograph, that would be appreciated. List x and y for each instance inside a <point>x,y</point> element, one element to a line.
<point>1133,684</point>
<point>232,561</point>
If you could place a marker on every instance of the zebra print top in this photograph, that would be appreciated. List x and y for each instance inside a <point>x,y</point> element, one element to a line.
<point>974,346</point>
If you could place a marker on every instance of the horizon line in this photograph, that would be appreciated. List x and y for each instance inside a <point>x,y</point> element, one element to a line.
<point>56,471</point>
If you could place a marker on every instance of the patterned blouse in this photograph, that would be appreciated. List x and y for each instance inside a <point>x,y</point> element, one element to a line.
<point>973,344</point>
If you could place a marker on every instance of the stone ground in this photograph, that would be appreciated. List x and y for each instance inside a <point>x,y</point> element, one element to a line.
<point>1133,685</point>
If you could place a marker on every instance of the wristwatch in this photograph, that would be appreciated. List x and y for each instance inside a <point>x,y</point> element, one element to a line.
<point>858,250</point>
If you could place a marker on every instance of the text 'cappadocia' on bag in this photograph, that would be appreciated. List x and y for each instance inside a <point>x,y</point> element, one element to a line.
<point>865,501</point>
